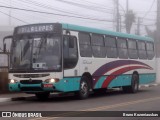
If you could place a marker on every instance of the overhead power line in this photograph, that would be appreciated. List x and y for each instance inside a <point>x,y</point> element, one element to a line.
<point>150,19</point>
<point>13,17</point>
<point>145,24</point>
<point>63,15</point>
<point>41,5</point>
<point>149,9</point>
<point>97,5</point>
<point>85,6</point>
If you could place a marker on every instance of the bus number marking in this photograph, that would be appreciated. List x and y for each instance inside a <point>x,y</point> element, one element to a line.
<point>87,62</point>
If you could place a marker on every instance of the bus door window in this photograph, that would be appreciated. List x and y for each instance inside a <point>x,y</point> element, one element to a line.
<point>70,51</point>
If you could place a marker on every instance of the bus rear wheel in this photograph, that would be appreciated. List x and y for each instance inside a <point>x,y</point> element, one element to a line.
<point>83,93</point>
<point>134,85</point>
<point>42,96</point>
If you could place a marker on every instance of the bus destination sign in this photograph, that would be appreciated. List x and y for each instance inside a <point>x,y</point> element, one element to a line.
<point>36,28</point>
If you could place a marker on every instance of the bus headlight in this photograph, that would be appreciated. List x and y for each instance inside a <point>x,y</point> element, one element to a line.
<point>52,80</point>
<point>13,81</point>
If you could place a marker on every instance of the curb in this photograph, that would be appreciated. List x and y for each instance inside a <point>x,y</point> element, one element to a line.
<point>18,98</point>
<point>149,85</point>
<point>5,99</point>
<point>12,99</point>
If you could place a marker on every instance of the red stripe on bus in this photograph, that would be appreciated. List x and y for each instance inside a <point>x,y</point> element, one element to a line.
<point>120,72</point>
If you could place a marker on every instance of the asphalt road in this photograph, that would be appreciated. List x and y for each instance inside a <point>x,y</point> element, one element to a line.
<point>147,99</point>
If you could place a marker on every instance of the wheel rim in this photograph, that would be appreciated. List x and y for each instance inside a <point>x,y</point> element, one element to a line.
<point>135,83</point>
<point>84,88</point>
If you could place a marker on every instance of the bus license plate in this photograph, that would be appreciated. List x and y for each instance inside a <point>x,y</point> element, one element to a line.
<point>48,86</point>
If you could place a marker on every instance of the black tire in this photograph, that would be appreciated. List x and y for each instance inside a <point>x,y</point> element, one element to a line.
<point>134,85</point>
<point>83,92</point>
<point>42,96</point>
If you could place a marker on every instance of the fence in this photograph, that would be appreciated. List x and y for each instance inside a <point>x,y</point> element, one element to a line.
<point>4,72</point>
<point>4,80</point>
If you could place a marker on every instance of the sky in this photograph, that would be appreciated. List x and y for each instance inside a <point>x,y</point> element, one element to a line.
<point>102,11</point>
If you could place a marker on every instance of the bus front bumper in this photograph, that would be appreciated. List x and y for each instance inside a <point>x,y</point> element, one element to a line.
<point>33,88</point>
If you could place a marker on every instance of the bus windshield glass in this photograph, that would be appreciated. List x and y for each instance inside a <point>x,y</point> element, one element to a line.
<point>36,52</point>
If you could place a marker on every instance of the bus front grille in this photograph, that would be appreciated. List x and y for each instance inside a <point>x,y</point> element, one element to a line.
<point>31,89</point>
<point>31,81</point>
<point>30,75</point>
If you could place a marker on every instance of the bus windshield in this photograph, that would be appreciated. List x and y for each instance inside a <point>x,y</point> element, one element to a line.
<point>36,52</point>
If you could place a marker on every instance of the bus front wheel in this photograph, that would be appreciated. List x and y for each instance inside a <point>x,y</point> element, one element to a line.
<point>83,93</point>
<point>134,87</point>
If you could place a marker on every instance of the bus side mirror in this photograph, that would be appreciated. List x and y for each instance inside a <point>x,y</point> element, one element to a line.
<point>4,47</point>
<point>10,38</point>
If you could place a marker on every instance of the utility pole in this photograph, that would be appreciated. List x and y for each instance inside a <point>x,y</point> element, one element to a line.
<point>158,30</point>
<point>138,26</point>
<point>120,23</point>
<point>157,43</point>
<point>10,12</point>
<point>117,19</point>
<point>127,6</point>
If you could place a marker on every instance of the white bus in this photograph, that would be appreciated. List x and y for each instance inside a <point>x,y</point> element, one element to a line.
<point>63,58</point>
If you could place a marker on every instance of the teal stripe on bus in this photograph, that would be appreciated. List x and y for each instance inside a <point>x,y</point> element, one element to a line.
<point>104,32</point>
<point>68,84</point>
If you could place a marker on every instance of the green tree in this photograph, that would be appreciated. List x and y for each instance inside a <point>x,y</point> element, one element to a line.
<point>129,20</point>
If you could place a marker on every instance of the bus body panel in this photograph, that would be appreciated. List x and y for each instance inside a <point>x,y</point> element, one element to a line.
<point>105,72</point>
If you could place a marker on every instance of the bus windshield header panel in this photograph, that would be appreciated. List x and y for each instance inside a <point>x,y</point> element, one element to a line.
<point>39,28</point>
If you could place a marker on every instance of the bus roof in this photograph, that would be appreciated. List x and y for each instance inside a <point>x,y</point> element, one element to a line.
<point>105,32</point>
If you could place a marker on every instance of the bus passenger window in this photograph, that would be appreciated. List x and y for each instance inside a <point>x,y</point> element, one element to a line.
<point>122,48</point>
<point>85,45</point>
<point>142,50</point>
<point>150,50</point>
<point>98,48</point>
<point>132,49</point>
<point>110,43</point>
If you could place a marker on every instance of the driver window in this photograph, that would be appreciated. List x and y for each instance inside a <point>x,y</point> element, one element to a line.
<point>70,51</point>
